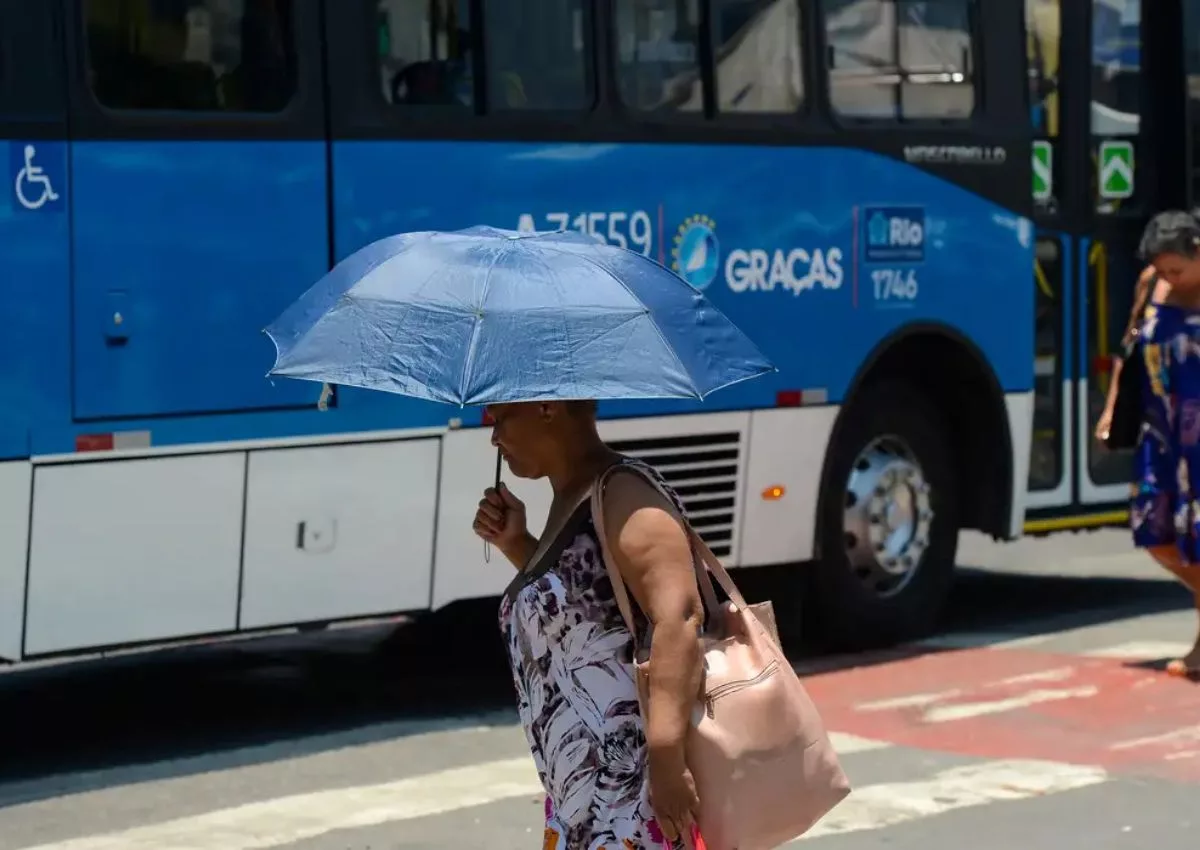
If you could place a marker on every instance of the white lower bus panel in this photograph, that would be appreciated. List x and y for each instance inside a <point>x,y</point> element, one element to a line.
<point>15,482</point>
<point>155,549</point>
<point>162,548</point>
<point>1019,407</point>
<point>336,532</point>
<point>131,551</point>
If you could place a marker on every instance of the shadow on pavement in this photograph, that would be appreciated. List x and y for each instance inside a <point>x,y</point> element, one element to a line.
<point>182,711</point>
<point>85,725</point>
<point>1023,605</point>
<point>1006,606</point>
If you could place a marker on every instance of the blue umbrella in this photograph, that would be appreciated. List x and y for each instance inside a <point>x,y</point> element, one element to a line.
<point>485,316</point>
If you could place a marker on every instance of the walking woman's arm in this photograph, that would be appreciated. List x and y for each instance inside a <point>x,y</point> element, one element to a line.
<point>651,549</point>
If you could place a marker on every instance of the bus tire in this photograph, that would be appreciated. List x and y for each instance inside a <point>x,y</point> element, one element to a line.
<point>888,526</point>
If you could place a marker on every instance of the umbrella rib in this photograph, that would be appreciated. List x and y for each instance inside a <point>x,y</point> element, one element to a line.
<point>469,360</point>
<point>645,311</point>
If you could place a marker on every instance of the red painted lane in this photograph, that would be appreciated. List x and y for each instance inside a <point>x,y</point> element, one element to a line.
<point>1012,703</point>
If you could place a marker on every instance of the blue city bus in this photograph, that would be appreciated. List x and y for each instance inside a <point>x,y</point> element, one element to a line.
<point>848,180</point>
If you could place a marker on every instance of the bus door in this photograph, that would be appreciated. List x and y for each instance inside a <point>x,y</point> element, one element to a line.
<point>198,163</point>
<point>1108,155</point>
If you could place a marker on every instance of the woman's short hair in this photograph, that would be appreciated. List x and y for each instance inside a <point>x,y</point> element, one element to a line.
<point>1170,232</point>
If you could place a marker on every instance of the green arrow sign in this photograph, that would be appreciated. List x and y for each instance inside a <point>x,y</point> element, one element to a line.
<point>1116,169</point>
<point>1043,170</point>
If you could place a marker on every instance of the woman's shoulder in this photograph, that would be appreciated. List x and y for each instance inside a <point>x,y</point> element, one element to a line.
<point>632,485</point>
<point>635,476</point>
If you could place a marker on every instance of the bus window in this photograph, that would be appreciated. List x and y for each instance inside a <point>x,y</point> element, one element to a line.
<point>900,59</point>
<point>425,52</point>
<point>1116,67</point>
<point>538,55</point>
<point>658,51</point>
<point>191,55</point>
<point>1116,101</point>
<point>1043,48</point>
<point>1043,38</point>
<point>757,61</point>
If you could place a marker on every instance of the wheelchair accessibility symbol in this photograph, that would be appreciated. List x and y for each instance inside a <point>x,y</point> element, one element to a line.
<point>33,187</point>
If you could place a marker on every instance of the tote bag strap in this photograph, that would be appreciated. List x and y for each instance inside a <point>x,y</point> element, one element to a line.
<point>1142,293</point>
<point>705,564</point>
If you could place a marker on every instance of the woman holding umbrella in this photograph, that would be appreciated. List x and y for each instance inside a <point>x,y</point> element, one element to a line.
<point>533,326</point>
<point>610,782</point>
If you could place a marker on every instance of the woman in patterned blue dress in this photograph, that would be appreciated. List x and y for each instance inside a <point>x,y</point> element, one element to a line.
<point>1165,509</point>
<point>612,782</point>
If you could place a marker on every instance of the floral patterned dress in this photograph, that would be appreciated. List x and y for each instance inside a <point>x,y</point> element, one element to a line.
<point>1164,508</point>
<point>570,654</point>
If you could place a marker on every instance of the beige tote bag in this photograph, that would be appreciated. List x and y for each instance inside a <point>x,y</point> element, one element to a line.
<point>765,770</point>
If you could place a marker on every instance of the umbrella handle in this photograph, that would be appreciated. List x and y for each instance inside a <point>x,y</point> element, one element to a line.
<point>487,547</point>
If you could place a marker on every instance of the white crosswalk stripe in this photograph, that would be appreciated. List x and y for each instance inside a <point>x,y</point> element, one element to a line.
<point>286,820</point>
<point>283,821</point>
<point>893,803</point>
<point>1141,650</point>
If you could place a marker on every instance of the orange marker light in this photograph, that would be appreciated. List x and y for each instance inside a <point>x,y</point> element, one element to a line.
<point>773,493</point>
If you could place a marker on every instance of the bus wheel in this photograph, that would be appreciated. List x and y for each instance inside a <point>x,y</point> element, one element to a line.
<point>889,529</point>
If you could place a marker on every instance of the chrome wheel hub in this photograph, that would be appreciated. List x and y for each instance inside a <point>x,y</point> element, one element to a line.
<point>888,516</point>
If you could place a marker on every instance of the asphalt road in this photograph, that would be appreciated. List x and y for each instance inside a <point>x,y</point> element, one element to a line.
<point>1038,720</point>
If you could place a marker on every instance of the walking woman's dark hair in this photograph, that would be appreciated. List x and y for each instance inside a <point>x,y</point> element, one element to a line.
<point>1170,232</point>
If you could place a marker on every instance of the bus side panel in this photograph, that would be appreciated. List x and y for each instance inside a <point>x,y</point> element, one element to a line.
<point>184,251</point>
<point>817,253</point>
<point>134,551</point>
<point>340,531</point>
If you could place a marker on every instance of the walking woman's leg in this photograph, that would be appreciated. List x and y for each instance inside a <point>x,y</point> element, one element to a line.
<point>1171,559</point>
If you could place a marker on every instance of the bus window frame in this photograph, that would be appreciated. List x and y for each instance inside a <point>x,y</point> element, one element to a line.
<point>799,119</point>
<point>359,113</point>
<point>711,125</point>
<point>592,71</point>
<point>357,109</point>
<point>647,119</point>
<point>302,118</point>
<point>979,109</point>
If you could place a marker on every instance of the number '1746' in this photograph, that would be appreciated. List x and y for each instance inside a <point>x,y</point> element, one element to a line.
<point>894,284</point>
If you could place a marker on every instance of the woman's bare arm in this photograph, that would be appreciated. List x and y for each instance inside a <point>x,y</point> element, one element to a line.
<point>1114,379</point>
<point>652,551</point>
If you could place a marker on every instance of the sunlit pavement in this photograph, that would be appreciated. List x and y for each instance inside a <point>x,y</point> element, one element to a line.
<point>1039,719</point>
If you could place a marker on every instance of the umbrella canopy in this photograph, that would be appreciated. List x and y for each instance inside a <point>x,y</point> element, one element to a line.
<point>486,316</point>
